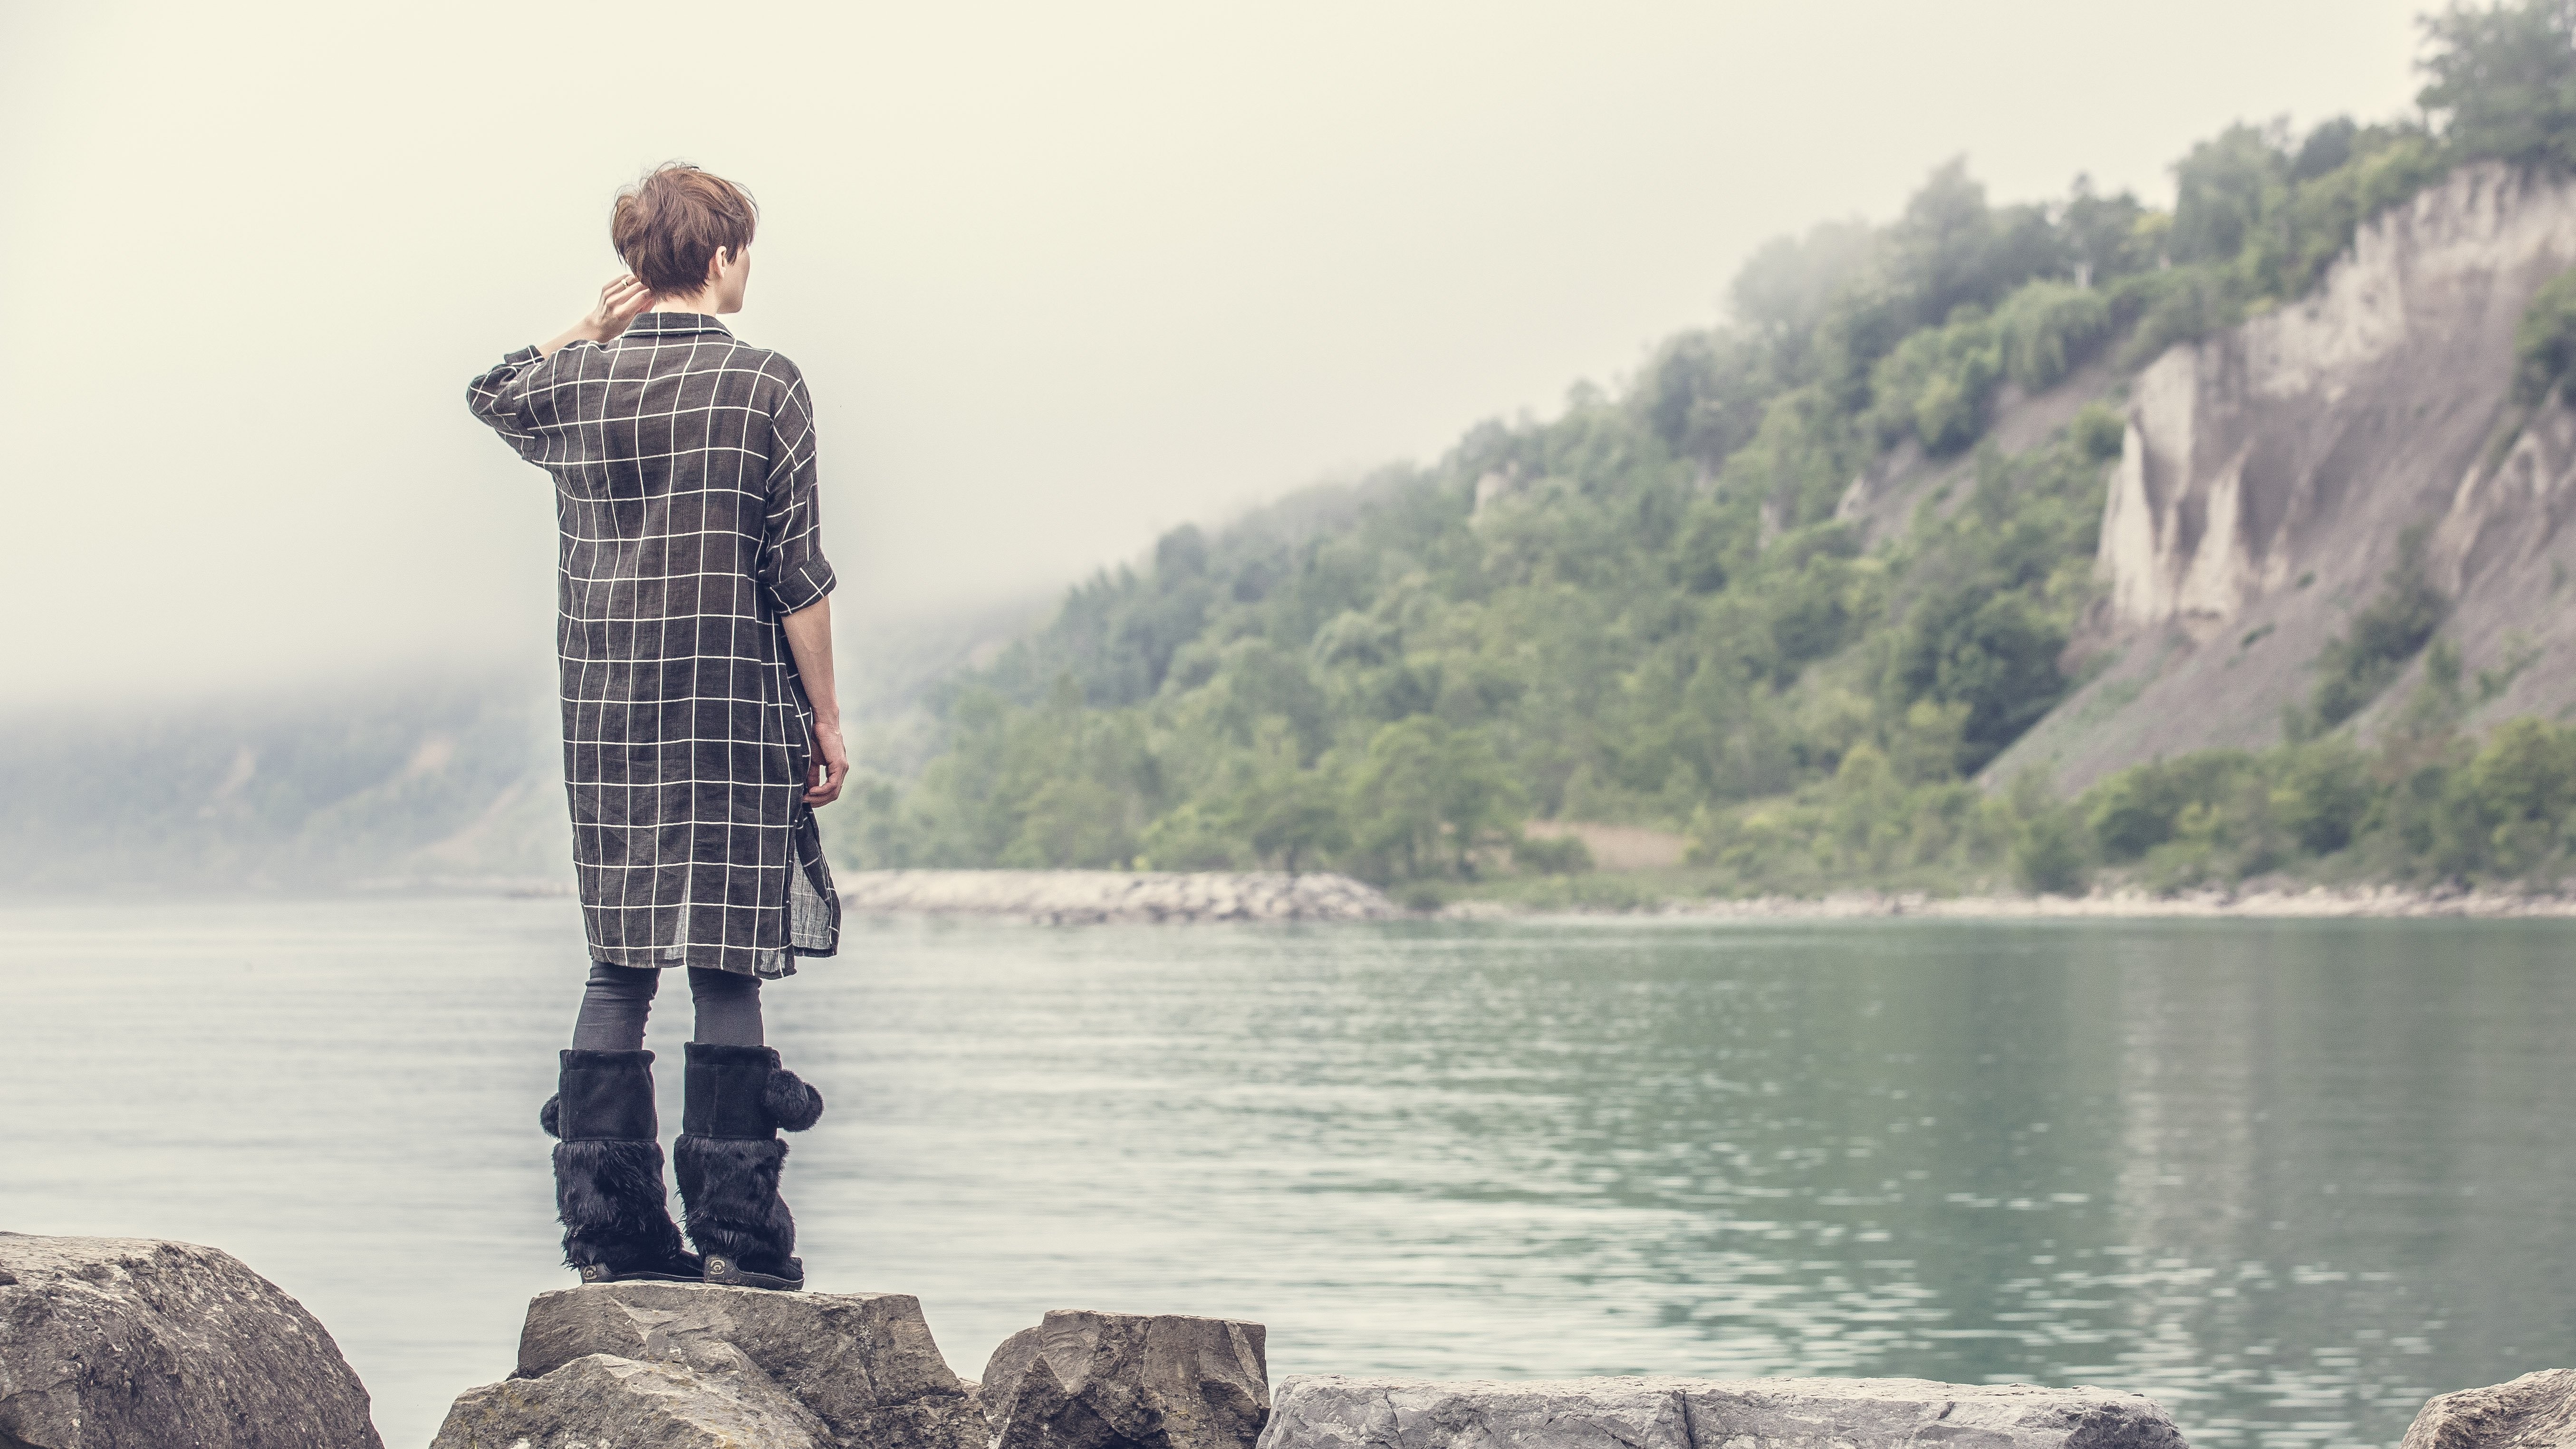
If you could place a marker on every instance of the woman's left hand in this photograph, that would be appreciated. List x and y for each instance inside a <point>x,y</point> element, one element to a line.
<point>620,303</point>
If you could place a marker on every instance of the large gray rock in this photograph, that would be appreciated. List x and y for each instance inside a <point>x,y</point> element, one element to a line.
<point>2536,1411</point>
<point>1334,1412</point>
<point>111,1342</point>
<point>863,1363</point>
<point>1084,1380</point>
<point>599,1401</point>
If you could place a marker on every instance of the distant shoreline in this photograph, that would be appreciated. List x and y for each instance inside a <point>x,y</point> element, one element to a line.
<point>2125,903</point>
<point>1107,897</point>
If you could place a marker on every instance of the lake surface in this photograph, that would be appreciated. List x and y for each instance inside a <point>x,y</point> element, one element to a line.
<point>2287,1178</point>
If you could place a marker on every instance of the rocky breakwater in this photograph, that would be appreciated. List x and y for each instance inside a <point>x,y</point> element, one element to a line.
<point>1336,1412</point>
<point>687,1366</point>
<point>1091,897</point>
<point>133,1341</point>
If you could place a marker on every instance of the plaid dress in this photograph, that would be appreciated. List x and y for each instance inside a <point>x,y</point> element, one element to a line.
<point>684,471</point>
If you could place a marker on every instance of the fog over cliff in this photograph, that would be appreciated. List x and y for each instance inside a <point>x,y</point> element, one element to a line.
<point>1062,278</point>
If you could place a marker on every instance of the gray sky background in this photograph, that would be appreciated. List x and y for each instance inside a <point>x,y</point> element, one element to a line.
<point>1060,276</point>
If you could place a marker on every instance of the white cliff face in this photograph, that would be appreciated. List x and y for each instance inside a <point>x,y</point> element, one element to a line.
<point>2253,455</point>
<point>2270,470</point>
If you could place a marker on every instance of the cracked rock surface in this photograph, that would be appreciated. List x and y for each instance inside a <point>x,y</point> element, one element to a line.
<point>686,1364</point>
<point>133,1341</point>
<point>1082,1380</point>
<point>2536,1411</point>
<point>601,1400</point>
<point>1337,1412</point>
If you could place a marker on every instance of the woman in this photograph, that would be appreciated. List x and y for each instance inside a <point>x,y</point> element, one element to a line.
<point>700,729</point>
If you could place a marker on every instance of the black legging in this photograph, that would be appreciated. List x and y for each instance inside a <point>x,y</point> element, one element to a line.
<point>616,999</point>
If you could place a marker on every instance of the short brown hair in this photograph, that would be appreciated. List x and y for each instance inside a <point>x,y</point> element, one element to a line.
<point>669,225</point>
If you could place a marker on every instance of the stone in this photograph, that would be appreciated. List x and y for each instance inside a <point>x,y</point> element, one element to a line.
<point>863,1363</point>
<point>1335,1412</point>
<point>1084,1380</point>
<point>135,1341</point>
<point>2536,1411</point>
<point>600,1400</point>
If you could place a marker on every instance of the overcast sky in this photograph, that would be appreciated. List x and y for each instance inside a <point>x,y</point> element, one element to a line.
<point>1061,276</point>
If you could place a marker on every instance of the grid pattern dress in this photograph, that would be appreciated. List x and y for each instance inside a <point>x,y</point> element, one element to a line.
<point>684,471</point>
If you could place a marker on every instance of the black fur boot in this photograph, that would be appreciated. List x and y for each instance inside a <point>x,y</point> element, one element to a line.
<point>608,1172</point>
<point>728,1159</point>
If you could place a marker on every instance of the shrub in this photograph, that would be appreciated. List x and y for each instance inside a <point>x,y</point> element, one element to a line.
<point>2133,811</point>
<point>2048,327</point>
<point>2526,774</point>
<point>2048,855</point>
<point>2324,791</point>
<point>2182,304</point>
<point>2544,341</point>
<point>2098,432</point>
<point>2356,667</point>
<point>1936,384</point>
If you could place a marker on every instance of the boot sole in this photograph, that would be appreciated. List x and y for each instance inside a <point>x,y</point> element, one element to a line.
<point>726,1273</point>
<point>596,1275</point>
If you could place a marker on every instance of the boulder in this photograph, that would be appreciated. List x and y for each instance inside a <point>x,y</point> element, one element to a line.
<point>2536,1411</point>
<point>1128,1381</point>
<point>600,1400</point>
<point>1335,1412</point>
<point>134,1341</point>
<point>862,1364</point>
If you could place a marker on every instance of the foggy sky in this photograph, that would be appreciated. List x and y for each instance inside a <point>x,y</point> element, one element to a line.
<point>1059,276</point>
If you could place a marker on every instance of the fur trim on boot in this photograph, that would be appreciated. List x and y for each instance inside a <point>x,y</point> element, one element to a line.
<point>736,1217</point>
<point>729,1158</point>
<point>793,1105</point>
<point>608,1172</point>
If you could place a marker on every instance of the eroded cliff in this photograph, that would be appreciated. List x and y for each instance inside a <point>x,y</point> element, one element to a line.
<point>2271,470</point>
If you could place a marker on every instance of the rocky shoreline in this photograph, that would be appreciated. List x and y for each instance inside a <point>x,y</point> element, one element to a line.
<point>2374,902</point>
<point>1091,897</point>
<point>1103,897</point>
<point>108,1341</point>
<point>1096,897</point>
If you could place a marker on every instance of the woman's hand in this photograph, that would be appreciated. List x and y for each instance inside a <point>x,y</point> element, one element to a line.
<point>620,303</point>
<point>829,770</point>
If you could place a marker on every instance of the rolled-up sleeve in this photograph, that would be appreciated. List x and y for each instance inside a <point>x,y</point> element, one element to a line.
<point>502,399</point>
<point>793,571</point>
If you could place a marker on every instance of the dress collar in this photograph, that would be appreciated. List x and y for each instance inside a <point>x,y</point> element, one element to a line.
<point>675,324</point>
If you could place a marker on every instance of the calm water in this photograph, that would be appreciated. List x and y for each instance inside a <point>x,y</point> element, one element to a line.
<point>2287,1178</point>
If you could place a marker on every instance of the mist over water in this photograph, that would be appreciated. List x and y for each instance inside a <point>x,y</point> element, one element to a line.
<point>2288,1178</point>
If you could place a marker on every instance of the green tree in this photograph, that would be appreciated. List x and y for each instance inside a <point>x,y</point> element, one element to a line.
<point>1993,652</point>
<point>1295,817</point>
<point>2224,189</point>
<point>1426,797</point>
<point>2324,792</point>
<point>2524,781</point>
<point>2503,81</point>
<point>1073,822</point>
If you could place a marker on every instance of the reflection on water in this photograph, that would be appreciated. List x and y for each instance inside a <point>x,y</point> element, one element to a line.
<point>2288,1178</point>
